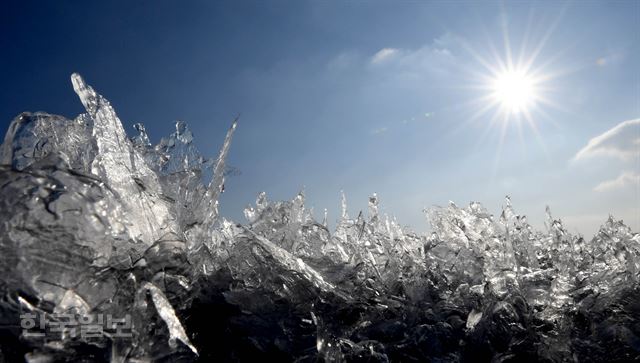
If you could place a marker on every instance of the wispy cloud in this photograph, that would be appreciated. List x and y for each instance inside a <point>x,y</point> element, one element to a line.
<point>622,142</point>
<point>627,178</point>
<point>394,69</point>
<point>384,55</point>
<point>433,59</point>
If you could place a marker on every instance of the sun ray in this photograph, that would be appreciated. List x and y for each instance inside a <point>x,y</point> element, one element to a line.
<point>478,57</point>
<point>526,39</point>
<point>523,144</point>
<point>503,131</point>
<point>537,135</point>
<point>545,38</point>
<point>505,38</point>
<point>487,129</point>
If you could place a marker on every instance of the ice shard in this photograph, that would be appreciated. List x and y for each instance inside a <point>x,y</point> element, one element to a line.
<point>166,312</point>
<point>124,169</point>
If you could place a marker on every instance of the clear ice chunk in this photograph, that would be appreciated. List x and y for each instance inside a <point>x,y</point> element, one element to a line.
<point>124,169</point>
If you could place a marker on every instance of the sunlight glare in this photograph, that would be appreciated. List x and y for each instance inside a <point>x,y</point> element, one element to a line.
<point>514,91</point>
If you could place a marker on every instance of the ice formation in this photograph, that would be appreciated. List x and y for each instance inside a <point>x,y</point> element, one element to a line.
<point>97,223</point>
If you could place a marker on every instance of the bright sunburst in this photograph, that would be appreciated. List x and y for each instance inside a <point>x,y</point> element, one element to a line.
<point>514,91</point>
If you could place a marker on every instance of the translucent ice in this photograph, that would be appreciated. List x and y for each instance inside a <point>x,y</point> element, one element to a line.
<point>95,223</point>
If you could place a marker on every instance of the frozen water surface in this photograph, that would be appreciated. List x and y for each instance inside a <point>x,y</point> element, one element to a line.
<point>96,222</point>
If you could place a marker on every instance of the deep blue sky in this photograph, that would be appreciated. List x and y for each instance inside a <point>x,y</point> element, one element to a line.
<point>364,96</point>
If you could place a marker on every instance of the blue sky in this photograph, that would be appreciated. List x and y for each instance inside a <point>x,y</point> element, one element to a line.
<point>360,96</point>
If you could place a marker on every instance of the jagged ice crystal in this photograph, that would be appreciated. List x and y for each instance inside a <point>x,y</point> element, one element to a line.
<point>95,222</point>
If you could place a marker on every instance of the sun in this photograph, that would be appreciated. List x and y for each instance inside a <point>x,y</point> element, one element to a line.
<point>514,91</point>
<point>513,87</point>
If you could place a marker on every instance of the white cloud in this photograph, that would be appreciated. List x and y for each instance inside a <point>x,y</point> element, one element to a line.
<point>413,69</point>
<point>427,60</point>
<point>626,178</point>
<point>384,55</point>
<point>436,54</point>
<point>622,141</point>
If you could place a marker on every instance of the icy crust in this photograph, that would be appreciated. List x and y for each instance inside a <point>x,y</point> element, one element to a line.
<point>95,222</point>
